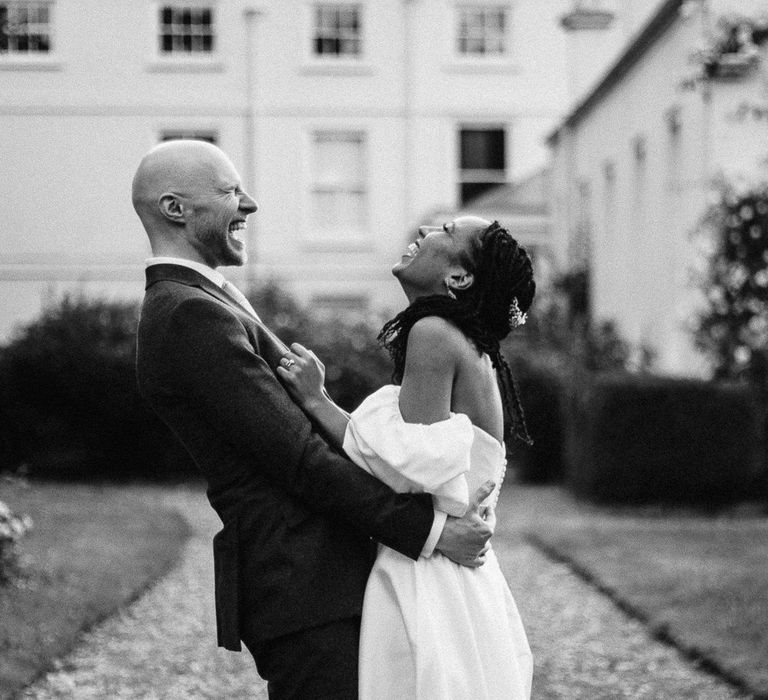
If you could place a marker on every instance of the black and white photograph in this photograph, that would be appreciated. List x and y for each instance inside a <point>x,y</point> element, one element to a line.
<point>384,350</point>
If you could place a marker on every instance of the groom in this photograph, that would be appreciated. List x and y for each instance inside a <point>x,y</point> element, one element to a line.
<point>300,520</point>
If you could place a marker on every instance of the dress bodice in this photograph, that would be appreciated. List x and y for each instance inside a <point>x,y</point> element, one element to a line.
<point>449,459</point>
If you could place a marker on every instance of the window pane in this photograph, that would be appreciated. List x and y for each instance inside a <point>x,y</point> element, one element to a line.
<point>186,29</point>
<point>481,30</point>
<point>338,193</point>
<point>337,30</point>
<point>482,149</point>
<point>471,190</point>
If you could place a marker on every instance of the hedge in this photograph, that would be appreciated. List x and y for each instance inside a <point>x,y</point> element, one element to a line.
<point>69,401</point>
<point>640,439</point>
<point>543,391</point>
<point>70,407</point>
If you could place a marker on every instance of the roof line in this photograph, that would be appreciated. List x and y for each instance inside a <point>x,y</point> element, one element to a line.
<point>652,31</point>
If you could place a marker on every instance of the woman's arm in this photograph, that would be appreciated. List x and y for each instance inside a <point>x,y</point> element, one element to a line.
<point>430,368</point>
<point>304,377</point>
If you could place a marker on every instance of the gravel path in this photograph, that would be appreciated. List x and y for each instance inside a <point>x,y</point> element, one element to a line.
<point>163,646</point>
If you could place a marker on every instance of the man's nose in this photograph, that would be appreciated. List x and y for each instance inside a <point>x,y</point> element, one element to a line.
<point>248,203</point>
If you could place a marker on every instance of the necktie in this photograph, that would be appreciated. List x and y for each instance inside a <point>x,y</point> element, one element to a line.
<point>239,297</point>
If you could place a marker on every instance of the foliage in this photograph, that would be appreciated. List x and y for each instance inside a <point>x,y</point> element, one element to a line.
<point>69,399</point>
<point>542,387</point>
<point>558,343</point>
<point>12,528</point>
<point>560,323</point>
<point>634,439</point>
<point>731,49</point>
<point>355,365</point>
<point>71,408</point>
<point>733,327</point>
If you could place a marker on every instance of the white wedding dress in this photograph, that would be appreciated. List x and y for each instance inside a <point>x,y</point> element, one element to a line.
<point>431,629</point>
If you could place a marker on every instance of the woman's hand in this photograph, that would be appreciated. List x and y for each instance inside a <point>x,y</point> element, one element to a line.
<point>303,375</point>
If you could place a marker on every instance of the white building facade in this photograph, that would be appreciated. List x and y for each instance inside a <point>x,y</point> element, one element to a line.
<point>349,121</point>
<point>635,161</point>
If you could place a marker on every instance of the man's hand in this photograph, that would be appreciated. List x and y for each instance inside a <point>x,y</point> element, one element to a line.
<point>466,540</point>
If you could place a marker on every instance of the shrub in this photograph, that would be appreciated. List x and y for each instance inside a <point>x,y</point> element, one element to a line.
<point>345,342</point>
<point>70,401</point>
<point>636,439</point>
<point>12,528</point>
<point>733,327</point>
<point>543,388</point>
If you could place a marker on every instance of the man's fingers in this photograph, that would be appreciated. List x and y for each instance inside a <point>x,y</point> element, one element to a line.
<point>480,495</point>
<point>300,350</point>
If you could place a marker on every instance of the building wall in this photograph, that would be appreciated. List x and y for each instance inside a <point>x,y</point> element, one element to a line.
<point>74,125</point>
<point>663,145</point>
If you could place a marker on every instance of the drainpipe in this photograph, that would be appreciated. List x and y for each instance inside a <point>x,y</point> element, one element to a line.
<point>251,16</point>
<point>408,82</point>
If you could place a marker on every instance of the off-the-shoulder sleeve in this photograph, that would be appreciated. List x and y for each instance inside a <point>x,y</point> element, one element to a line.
<point>412,457</point>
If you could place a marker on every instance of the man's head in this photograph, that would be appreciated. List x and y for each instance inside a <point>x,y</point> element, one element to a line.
<point>188,195</point>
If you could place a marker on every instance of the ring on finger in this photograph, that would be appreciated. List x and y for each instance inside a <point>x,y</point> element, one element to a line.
<point>287,362</point>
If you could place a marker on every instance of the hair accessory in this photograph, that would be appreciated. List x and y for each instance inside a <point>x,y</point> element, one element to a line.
<point>516,317</point>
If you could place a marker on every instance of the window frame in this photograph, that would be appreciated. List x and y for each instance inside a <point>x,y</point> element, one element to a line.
<point>37,60</point>
<point>180,61</point>
<point>461,179</point>
<point>505,62</point>
<point>339,64</point>
<point>353,237</point>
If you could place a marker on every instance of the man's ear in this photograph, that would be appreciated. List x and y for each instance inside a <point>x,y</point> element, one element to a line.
<point>171,207</point>
<point>459,279</point>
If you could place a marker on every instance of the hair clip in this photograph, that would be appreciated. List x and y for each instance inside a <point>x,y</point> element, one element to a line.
<point>516,317</point>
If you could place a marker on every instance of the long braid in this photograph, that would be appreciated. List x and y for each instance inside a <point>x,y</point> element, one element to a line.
<point>512,403</point>
<point>503,272</point>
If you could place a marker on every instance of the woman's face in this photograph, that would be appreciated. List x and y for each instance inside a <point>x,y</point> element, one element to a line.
<point>436,255</point>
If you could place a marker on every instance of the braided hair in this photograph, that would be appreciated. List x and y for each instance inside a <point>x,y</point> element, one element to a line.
<point>503,274</point>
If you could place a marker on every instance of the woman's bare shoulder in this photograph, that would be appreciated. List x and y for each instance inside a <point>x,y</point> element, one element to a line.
<point>438,338</point>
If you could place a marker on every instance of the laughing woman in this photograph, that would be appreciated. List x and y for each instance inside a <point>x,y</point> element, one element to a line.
<point>432,629</point>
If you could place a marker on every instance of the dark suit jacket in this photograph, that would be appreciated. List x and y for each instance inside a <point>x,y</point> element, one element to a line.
<point>295,550</point>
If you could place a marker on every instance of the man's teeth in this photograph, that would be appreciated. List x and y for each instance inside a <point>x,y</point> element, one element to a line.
<point>413,249</point>
<point>236,228</point>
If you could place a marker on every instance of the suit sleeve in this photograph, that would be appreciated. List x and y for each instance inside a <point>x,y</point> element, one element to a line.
<point>215,365</point>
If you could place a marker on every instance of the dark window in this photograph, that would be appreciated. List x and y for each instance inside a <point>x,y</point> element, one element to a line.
<point>482,161</point>
<point>186,29</point>
<point>25,27</point>
<point>338,30</point>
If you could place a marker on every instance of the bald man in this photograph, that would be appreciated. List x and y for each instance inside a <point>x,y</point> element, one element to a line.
<point>292,559</point>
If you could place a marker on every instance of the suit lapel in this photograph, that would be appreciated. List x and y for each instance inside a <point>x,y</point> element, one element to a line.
<point>192,278</point>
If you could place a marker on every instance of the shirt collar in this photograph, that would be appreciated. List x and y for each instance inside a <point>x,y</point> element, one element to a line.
<point>208,272</point>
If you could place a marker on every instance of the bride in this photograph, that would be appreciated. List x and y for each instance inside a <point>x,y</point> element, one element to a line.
<point>432,629</point>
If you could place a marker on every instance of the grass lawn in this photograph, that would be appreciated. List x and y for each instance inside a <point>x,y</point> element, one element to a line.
<point>701,582</point>
<point>92,549</point>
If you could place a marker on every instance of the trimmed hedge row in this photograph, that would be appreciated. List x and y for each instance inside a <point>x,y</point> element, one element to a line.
<point>640,439</point>
<point>629,438</point>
